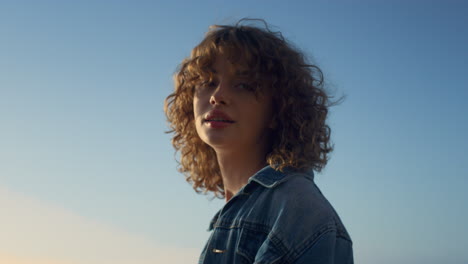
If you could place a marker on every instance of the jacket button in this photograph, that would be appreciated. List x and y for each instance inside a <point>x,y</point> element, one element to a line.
<point>215,250</point>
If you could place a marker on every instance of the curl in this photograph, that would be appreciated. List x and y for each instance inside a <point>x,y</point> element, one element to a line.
<point>301,136</point>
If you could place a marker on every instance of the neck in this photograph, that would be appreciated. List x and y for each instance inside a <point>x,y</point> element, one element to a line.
<point>237,167</point>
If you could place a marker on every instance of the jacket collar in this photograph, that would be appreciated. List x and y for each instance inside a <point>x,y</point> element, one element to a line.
<point>268,177</point>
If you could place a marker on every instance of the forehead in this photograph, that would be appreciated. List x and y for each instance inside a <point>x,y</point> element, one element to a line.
<point>222,65</point>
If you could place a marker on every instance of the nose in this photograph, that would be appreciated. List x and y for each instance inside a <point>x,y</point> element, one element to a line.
<point>220,95</point>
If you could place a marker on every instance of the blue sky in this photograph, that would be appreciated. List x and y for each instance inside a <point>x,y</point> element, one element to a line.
<point>83,151</point>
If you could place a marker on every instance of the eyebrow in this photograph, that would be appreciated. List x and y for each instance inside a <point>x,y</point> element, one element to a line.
<point>238,72</point>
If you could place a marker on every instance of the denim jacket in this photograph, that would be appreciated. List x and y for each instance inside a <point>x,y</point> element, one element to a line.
<point>278,217</point>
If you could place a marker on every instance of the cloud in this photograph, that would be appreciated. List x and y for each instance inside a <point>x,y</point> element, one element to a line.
<point>35,232</point>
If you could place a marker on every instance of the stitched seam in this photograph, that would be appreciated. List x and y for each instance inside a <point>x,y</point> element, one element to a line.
<point>278,243</point>
<point>246,227</point>
<point>226,224</point>
<point>297,252</point>
<point>344,237</point>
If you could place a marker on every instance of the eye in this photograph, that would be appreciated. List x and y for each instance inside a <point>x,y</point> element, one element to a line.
<point>245,86</point>
<point>206,84</point>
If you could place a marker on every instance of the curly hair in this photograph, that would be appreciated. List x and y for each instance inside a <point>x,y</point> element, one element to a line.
<point>300,137</point>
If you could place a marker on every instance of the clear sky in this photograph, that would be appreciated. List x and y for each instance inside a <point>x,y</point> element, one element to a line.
<point>87,174</point>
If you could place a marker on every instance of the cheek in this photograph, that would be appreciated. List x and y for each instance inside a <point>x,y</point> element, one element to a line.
<point>197,113</point>
<point>265,112</point>
<point>196,107</point>
<point>259,118</point>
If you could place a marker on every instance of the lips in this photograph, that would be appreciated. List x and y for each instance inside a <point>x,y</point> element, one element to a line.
<point>216,116</point>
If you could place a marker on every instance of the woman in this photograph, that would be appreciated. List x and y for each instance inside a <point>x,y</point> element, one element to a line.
<point>248,115</point>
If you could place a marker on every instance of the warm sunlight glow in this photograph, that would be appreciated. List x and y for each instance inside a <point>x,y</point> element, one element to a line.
<point>34,232</point>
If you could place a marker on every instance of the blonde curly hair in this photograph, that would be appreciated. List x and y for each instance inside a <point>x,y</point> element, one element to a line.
<point>301,137</point>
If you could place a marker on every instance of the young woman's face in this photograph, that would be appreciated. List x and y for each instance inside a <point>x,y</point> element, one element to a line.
<point>228,114</point>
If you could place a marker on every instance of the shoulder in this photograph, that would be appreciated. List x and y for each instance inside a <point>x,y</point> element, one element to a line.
<point>298,213</point>
<point>298,199</point>
<point>294,192</point>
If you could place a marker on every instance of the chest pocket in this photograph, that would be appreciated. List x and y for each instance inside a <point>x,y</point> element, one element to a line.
<point>233,242</point>
<point>254,245</point>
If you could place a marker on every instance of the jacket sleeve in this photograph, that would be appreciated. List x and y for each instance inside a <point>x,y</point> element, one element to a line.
<point>329,249</point>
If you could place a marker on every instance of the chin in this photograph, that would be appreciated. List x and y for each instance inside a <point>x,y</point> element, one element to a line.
<point>218,142</point>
